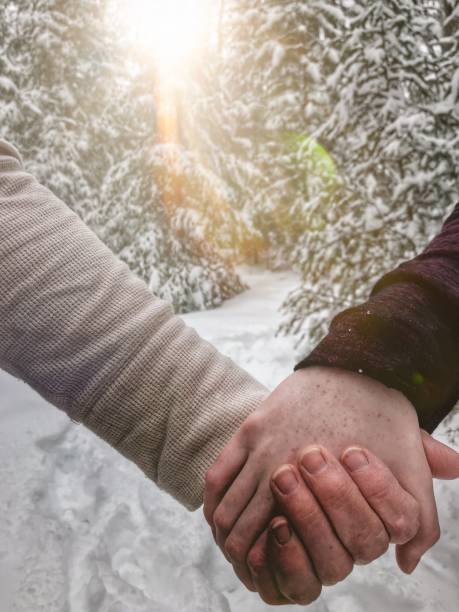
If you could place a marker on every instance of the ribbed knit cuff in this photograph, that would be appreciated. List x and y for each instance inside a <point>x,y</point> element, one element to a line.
<point>174,407</point>
<point>403,338</point>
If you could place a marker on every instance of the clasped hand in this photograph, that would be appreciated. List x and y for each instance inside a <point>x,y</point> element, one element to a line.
<point>326,474</point>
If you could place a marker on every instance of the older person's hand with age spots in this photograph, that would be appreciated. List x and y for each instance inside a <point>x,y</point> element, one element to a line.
<point>339,516</point>
<point>293,560</point>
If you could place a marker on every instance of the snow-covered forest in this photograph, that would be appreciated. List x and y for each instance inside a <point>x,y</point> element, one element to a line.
<point>320,136</point>
<point>317,140</point>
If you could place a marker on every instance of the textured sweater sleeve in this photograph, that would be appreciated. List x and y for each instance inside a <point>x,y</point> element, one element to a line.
<point>407,334</point>
<point>87,334</point>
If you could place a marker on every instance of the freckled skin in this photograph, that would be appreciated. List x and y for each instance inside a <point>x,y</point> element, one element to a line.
<point>330,413</point>
<point>329,407</point>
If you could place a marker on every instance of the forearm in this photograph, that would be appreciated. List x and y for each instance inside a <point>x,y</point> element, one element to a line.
<point>87,334</point>
<point>407,334</point>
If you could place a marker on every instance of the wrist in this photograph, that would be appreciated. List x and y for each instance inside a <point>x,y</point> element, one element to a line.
<point>402,339</point>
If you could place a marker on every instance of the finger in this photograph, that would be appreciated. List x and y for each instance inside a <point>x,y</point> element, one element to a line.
<point>396,508</point>
<point>247,529</point>
<point>233,504</point>
<point>295,576</point>
<point>331,561</point>
<point>356,524</point>
<point>443,460</point>
<point>221,475</point>
<point>262,574</point>
<point>408,555</point>
<point>417,480</point>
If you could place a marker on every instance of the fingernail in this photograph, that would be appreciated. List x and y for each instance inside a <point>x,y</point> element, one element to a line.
<point>314,461</point>
<point>282,533</point>
<point>354,459</point>
<point>285,480</point>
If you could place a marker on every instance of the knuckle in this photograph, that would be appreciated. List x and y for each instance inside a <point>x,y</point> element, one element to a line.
<point>235,550</point>
<point>251,426</point>
<point>257,561</point>
<point>404,530</point>
<point>304,598</point>
<point>334,574</point>
<point>221,520</point>
<point>406,526</point>
<point>381,543</point>
<point>401,530</point>
<point>272,600</point>
<point>369,545</point>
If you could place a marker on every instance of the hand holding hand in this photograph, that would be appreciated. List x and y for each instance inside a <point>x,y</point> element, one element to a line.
<point>324,512</point>
<point>323,406</point>
<point>337,517</point>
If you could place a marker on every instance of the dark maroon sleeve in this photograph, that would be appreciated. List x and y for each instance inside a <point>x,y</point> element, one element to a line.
<point>407,334</point>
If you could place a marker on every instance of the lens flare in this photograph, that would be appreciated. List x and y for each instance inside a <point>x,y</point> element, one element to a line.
<point>171,31</point>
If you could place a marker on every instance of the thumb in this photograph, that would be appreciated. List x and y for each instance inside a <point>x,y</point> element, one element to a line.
<point>443,460</point>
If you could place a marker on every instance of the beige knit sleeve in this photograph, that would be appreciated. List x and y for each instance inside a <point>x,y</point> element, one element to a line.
<point>87,334</point>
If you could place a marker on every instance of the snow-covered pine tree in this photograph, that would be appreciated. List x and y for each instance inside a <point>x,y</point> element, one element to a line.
<point>60,59</point>
<point>159,202</point>
<point>153,206</point>
<point>9,95</point>
<point>450,14</point>
<point>270,96</point>
<point>206,133</point>
<point>83,113</point>
<point>335,128</point>
<point>393,135</point>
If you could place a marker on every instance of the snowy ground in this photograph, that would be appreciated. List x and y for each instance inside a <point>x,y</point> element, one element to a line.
<point>83,531</point>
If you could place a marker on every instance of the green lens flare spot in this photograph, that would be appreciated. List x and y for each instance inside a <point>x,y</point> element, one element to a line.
<point>309,151</point>
<point>418,379</point>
